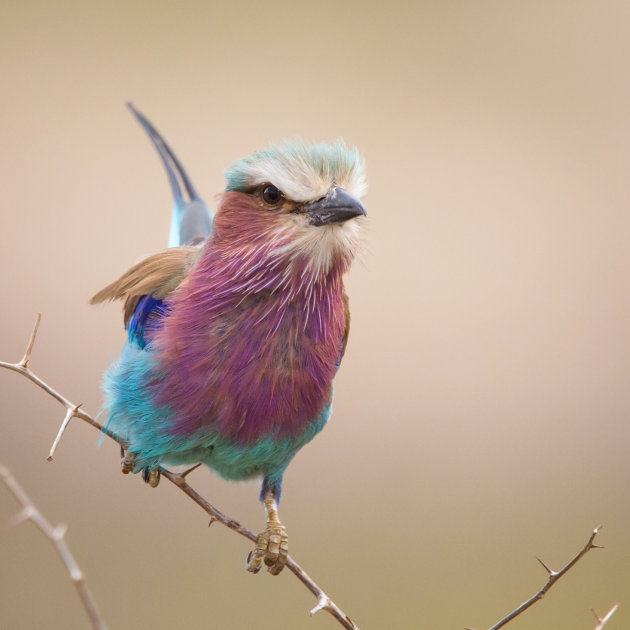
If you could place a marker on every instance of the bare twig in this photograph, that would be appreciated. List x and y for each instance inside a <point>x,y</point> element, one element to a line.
<point>554,576</point>
<point>73,411</point>
<point>56,535</point>
<point>601,622</point>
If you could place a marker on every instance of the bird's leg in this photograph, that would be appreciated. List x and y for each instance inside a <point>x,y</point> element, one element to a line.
<point>272,546</point>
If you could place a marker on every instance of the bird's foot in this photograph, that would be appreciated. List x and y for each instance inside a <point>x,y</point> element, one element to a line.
<point>151,476</point>
<point>272,548</point>
<point>128,463</point>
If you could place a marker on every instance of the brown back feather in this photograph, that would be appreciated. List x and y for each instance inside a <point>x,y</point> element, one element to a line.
<point>158,275</point>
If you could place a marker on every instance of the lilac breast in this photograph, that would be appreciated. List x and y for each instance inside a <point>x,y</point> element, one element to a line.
<point>247,366</point>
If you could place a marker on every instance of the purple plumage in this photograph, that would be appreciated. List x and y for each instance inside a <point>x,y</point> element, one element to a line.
<point>251,344</point>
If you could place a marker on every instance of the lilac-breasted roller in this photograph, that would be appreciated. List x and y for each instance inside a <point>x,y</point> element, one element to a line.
<point>236,331</point>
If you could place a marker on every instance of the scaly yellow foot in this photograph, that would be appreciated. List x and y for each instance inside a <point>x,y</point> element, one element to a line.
<point>272,546</point>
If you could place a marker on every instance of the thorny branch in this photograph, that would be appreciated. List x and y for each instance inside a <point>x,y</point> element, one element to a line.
<point>179,480</point>
<point>56,535</point>
<point>554,576</point>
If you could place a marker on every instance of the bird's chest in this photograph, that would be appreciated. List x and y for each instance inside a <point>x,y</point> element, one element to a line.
<point>261,368</point>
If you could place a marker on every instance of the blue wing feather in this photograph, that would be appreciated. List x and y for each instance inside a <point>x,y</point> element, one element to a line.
<point>146,319</point>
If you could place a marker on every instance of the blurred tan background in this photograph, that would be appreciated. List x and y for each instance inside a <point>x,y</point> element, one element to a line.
<point>481,413</point>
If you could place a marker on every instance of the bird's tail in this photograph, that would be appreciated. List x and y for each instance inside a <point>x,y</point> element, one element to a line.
<point>191,221</point>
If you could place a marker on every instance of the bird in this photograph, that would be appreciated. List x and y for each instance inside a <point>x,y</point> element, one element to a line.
<point>235,331</point>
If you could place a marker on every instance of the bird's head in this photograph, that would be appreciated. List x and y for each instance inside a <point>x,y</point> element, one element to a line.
<point>295,204</point>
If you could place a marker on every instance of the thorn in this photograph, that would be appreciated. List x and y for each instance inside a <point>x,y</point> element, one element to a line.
<point>545,566</point>
<point>76,575</point>
<point>20,517</point>
<point>60,531</point>
<point>212,520</point>
<point>598,547</point>
<point>322,603</point>
<point>31,342</point>
<point>70,413</point>
<point>180,478</point>
<point>187,472</point>
<point>597,617</point>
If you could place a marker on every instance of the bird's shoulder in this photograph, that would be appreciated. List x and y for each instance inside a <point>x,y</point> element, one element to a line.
<point>156,276</point>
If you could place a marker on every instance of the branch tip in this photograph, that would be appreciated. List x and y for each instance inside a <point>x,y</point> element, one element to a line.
<point>601,622</point>
<point>554,576</point>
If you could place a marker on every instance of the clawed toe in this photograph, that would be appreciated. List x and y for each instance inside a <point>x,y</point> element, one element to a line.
<point>128,462</point>
<point>152,476</point>
<point>272,549</point>
<point>149,475</point>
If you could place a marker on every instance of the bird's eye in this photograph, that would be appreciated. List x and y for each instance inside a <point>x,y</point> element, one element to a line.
<point>271,195</point>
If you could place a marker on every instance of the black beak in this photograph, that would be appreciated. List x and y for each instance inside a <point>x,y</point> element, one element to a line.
<point>336,207</point>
